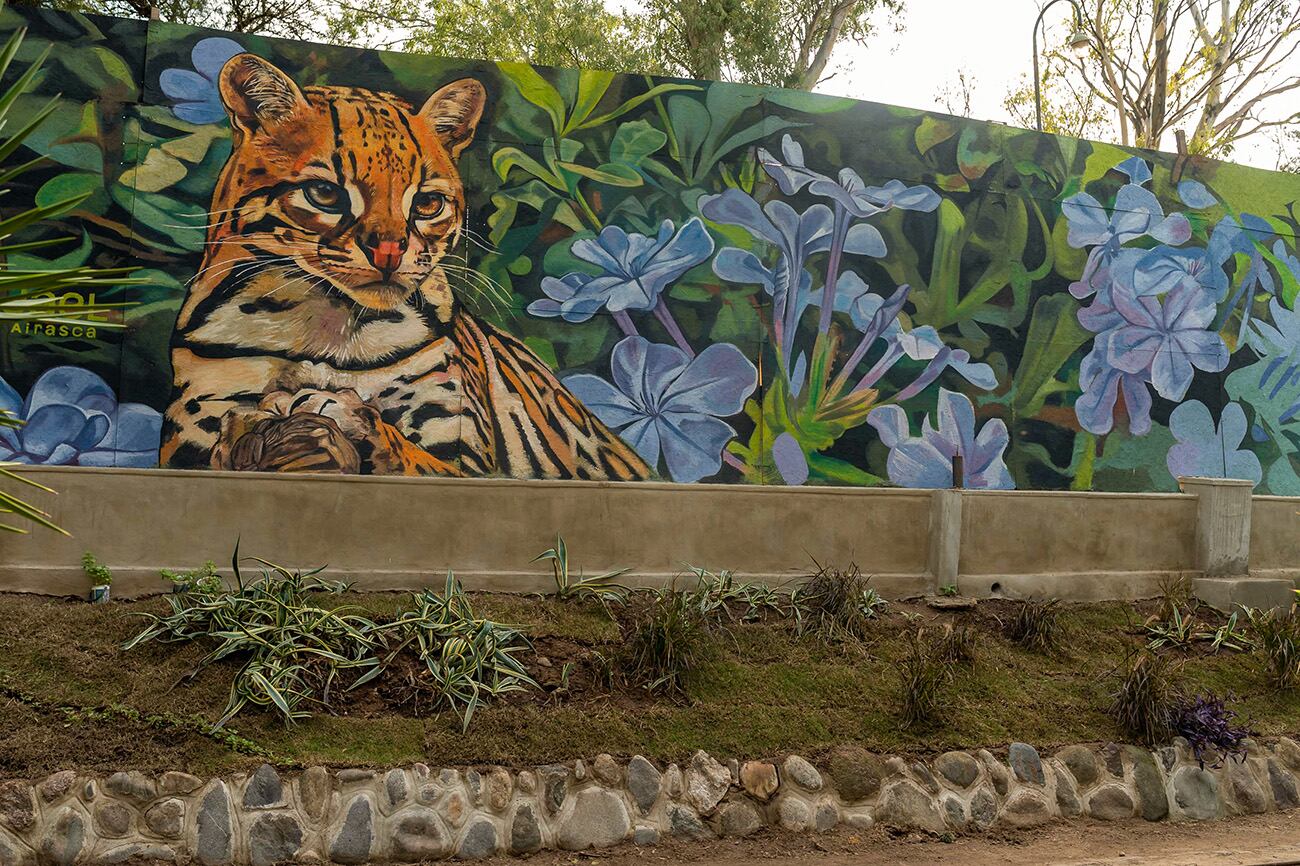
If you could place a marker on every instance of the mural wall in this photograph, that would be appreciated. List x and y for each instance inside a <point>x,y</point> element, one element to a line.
<point>356,261</point>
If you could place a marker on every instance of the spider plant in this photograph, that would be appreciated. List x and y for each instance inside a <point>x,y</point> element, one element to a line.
<point>1178,631</point>
<point>292,650</point>
<point>714,594</point>
<point>469,660</point>
<point>602,587</point>
<point>36,295</point>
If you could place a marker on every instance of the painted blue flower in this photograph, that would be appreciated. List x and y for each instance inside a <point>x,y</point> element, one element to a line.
<point>1155,340</point>
<point>1195,195</point>
<point>1137,169</point>
<point>636,269</point>
<point>1207,450</point>
<point>1167,338</point>
<point>1102,384</point>
<point>1137,213</point>
<point>665,403</point>
<point>848,190</point>
<point>71,417</point>
<point>195,91</point>
<point>926,460</point>
<point>1165,268</point>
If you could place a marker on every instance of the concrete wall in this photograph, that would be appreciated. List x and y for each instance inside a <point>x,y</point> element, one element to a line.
<point>395,533</point>
<point>1274,529</point>
<point>1093,545</point>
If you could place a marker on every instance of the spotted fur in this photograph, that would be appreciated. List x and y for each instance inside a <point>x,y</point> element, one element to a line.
<point>322,332</point>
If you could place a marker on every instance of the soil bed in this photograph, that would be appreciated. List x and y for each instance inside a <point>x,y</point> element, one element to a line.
<point>69,698</point>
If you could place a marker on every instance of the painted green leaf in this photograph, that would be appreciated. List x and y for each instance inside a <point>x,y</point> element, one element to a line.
<point>544,349</point>
<point>158,172</point>
<point>537,90</point>
<point>614,174</point>
<point>974,163</point>
<point>506,158</point>
<point>932,132</point>
<point>809,103</point>
<point>1054,335</point>
<point>65,186</point>
<point>634,141</point>
<point>592,85</point>
<point>657,90</point>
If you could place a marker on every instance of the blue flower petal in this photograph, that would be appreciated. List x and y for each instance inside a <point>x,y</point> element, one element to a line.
<point>716,382</point>
<point>53,425</point>
<point>1195,195</point>
<point>70,385</point>
<point>200,112</point>
<point>136,428</point>
<point>790,461</point>
<point>692,444</point>
<point>210,54</point>
<point>1136,168</point>
<point>182,85</point>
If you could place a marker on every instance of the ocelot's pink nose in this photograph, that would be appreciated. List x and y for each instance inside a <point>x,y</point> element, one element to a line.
<point>385,255</point>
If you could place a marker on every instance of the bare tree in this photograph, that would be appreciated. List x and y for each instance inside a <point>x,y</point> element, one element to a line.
<point>1213,68</point>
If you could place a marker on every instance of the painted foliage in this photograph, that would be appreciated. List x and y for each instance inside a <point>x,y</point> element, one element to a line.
<point>371,262</point>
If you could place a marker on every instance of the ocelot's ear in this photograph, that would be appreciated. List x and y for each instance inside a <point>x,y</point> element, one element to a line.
<point>256,93</point>
<point>454,111</point>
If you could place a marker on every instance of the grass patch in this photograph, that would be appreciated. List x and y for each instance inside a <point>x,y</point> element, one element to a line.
<point>762,691</point>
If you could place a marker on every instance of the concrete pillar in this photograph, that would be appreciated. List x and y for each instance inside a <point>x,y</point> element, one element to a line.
<point>945,538</point>
<point>1223,546</point>
<point>1222,524</point>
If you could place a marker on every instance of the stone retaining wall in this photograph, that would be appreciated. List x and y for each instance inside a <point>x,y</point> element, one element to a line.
<point>417,813</point>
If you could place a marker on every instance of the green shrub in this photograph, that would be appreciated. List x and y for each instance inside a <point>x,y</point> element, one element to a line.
<point>924,674</point>
<point>99,574</point>
<point>469,660</point>
<point>663,643</point>
<point>836,604</point>
<point>1276,638</point>
<point>1145,699</point>
<point>602,587</point>
<point>205,578</point>
<point>715,595</point>
<point>1037,626</point>
<point>291,650</point>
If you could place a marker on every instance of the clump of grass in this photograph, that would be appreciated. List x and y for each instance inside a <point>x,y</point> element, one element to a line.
<point>205,578</point>
<point>956,645</point>
<point>1175,596</point>
<point>664,643</point>
<point>1037,626</point>
<point>924,673</point>
<point>1145,699</point>
<point>1276,638</point>
<point>837,604</point>
<point>602,587</point>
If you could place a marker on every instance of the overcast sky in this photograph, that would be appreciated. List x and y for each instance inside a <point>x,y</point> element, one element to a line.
<point>944,36</point>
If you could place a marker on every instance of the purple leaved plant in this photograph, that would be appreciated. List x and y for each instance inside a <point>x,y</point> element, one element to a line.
<point>1209,726</point>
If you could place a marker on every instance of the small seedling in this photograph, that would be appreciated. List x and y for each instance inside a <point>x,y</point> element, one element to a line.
<point>948,590</point>
<point>99,575</point>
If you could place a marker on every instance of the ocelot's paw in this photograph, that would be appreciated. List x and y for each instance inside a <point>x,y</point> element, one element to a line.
<point>358,420</point>
<point>264,441</point>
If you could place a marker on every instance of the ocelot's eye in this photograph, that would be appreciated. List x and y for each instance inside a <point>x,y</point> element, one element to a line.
<point>428,205</point>
<point>325,196</point>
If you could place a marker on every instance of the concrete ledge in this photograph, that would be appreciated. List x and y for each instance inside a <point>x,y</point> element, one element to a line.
<point>1225,593</point>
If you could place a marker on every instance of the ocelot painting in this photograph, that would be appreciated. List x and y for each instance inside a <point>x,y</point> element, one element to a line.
<point>321,333</point>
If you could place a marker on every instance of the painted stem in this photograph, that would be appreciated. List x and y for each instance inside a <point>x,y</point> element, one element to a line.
<point>734,462</point>
<point>838,235</point>
<point>880,368</point>
<point>859,352</point>
<point>625,322</point>
<point>665,317</point>
<point>937,365</point>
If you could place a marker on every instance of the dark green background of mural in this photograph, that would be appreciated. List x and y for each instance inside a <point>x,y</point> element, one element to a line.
<point>561,154</point>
